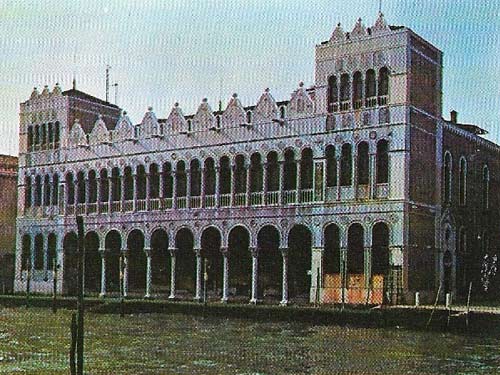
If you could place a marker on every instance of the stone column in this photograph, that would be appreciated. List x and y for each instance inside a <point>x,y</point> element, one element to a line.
<point>355,173</point>
<point>217,186</point>
<point>102,252</point>
<point>135,195</point>
<point>281,197</point>
<point>298,185</point>
<point>248,182</point>
<point>148,192</point>
<point>343,274</point>
<point>316,275</point>
<point>98,188</point>
<point>188,188</point>
<point>149,273</point>
<point>368,272</point>
<point>125,272</point>
<point>232,186</point>
<point>161,182</point>
<point>197,252</point>
<point>338,156</point>
<point>255,274</point>
<point>373,175</point>
<point>173,252</point>
<point>264,182</point>
<point>174,188</point>
<point>225,274</point>
<point>284,254</point>
<point>123,188</point>
<point>202,185</point>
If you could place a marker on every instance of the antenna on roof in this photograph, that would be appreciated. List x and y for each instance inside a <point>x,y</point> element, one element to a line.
<point>115,85</point>
<point>220,96</point>
<point>107,83</point>
<point>74,69</point>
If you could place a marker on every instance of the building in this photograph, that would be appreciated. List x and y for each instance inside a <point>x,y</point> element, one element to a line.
<point>355,189</point>
<point>8,213</point>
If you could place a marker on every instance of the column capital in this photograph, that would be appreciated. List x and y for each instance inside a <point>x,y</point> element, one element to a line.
<point>284,251</point>
<point>103,252</point>
<point>254,251</point>
<point>224,251</point>
<point>147,251</point>
<point>173,251</point>
<point>125,252</point>
<point>197,251</point>
<point>318,249</point>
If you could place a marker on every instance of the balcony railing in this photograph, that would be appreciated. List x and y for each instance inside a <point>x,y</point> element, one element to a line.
<point>103,207</point>
<point>346,192</point>
<point>240,199</point>
<point>70,210</point>
<point>363,192</point>
<point>290,196</point>
<point>195,202</point>
<point>116,206</point>
<point>382,190</point>
<point>166,203</point>
<point>225,200</point>
<point>141,205</point>
<point>382,100</point>
<point>92,208</point>
<point>155,204</point>
<point>181,202</point>
<point>209,201</point>
<point>256,198</point>
<point>358,103</point>
<point>371,101</point>
<point>273,198</point>
<point>345,106</point>
<point>128,205</point>
<point>306,195</point>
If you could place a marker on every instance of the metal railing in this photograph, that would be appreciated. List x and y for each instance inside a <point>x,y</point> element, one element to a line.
<point>195,202</point>
<point>141,205</point>
<point>306,195</point>
<point>92,208</point>
<point>289,196</point>
<point>240,199</point>
<point>209,201</point>
<point>154,204</point>
<point>116,206</point>
<point>128,205</point>
<point>104,207</point>
<point>382,100</point>
<point>225,200</point>
<point>256,198</point>
<point>166,203</point>
<point>371,101</point>
<point>181,202</point>
<point>345,105</point>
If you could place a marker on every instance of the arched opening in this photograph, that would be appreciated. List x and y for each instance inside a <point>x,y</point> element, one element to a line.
<point>30,138</point>
<point>383,86</point>
<point>363,166</point>
<point>290,183</point>
<point>168,180</point>
<point>464,263</point>
<point>70,244</point>
<point>50,134</point>
<point>116,190</point>
<point>26,253</point>
<point>38,191</point>
<point>56,134</point>
<point>240,262</point>
<point>46,191</point>
<point>113,243</point>
<point>51,251</point>
<point>180,179</point>
<point>185,262</point>
<point>331,265</point>
<point>333,94</point>
<point>462,177</point>
<point>306,169</point>
<point>256,173</point>
<point>382,162</point>
<point>92,187</point>
<point>355,264</point>
<point>43,135</point>
<point>225,176</point>
<point>331,167</point>
<point>70,188</point>
<point>154,181</point>
<point>80,183</point>
<point>272,171</point>
<point>270,263</point>
<point>448,262</point>
<point>299,262</point>
<point>37,136</point>
<point>345,93</point>
<point>209,176</point>
<point>92,264</point>
<point>141,182</point>
<point>136,262</point>
<point>447,178</point>
<point>160,263</point>
<point>195,171</point>
<point>380,261</point>
<point>104,195</point>
<point>39,253</point>
<point>370,88</point>
<point>210,251</point>
<point>128,183</point>
<point>240,174</point>
<point>55,189</point>
<point>27,192</point>
<point>357,90</point>
<point>346,165</point>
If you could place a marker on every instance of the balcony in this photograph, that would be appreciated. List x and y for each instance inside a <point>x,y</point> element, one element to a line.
<point>272,198</point>
<point>225,200</point>
<point>371,102</point>
<point>195,202</point>
<point>92,208</point>
<point>116,206</point>
<point>155,204</point>
<point>181,202</point>
<point>128,205</point>
<point>166,203</point>
<point>141,205</point>
<point>240,199</point>
<point>256,198</point>
<point>289,196</point>
<point>345,106</point>
<point>209,201</point>
<point>306,195</point>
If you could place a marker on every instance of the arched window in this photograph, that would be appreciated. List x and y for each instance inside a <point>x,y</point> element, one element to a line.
<point>333,94</point>
<point>51,250</point>
<point>43,135</point>
<point>370,88</point>
<point>167,180</point>
<point>55,189</point>
<point>38,191</point>
<point>30,138</point>
<point>50,131</point>
<point>355,249</point>
<point>249,117</point>
<point>116,189</point>
<point>27,192</point>
<point>486,187</point>
<point>37,135</point>
<point>357,90</point>
<point>290,166</point>
<point>240,175</point>
<point>363,164</point>
<point>39,252</point>
<point>344,88</point>
<point>383,86</point>
<point>46,191</point>
<point>70,188</point>
<point>272,172</point>
<point>180,179</point>
<point>92,187</point>
<point>141,182</point>
<point>380,249</point>
<point>306,169</point>
<point>382,162</point>
<point>128,183</point>
<point>154,181</point>
<point>80,182</point>
<point>332,250</point>
<point>56,133</point>
<point>255,173</point>
<point>195,171</point>
<point>331,166</point>
<point>462,181</point>
<point>26,252</point>
<point>447,178</point>
<point>346,165</point>
<point>209,176</point>
<point>104,196</point>
<point>225,176</point>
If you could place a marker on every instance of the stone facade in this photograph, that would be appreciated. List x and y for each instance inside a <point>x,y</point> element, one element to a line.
<point>333,195</point>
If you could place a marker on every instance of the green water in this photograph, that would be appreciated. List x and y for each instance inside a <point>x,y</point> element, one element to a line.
<point>36,342</point>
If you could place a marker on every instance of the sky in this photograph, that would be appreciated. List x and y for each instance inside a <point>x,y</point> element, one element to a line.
<point>167,51</point>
